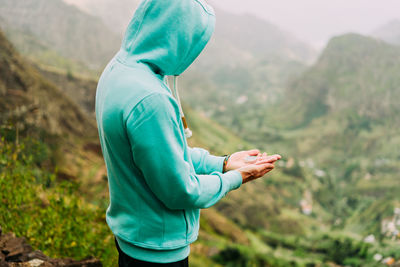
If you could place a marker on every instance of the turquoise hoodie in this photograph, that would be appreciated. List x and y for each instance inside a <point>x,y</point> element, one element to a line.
<point>157,183</point>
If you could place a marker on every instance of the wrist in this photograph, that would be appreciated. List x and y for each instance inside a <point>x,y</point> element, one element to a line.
<point>224,167</point>
<point>245,175</point>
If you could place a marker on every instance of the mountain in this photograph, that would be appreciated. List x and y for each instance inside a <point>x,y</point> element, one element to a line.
<point>354,74</point>
<point>340,119</point>
<point>256,37</point>
<point>389,32</point>
<point>58,27</point>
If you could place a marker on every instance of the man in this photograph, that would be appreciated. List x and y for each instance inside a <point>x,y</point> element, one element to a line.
<point>157,183</point>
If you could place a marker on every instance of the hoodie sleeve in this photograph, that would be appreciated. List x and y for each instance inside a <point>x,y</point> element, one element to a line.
<point>204,163</point>
<point>158,149</point>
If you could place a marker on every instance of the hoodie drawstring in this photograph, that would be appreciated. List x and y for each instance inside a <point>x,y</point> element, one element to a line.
<point>188,132</point>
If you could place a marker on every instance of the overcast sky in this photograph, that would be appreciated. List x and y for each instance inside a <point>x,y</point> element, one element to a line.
<point>315,21</point>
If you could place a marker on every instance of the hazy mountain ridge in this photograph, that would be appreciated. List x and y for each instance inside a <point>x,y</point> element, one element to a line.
<point>63,28</point>
<point>389,32</point>
<point>269,41</point>
<point>231,29</point>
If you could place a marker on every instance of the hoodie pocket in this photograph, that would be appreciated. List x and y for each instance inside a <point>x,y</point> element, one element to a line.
<point>187,223</point>
<point>192,222</point>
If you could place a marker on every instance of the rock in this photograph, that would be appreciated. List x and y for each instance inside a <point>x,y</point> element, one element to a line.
<point>16,252</point>
<point>35,263</point>
<point>37,254</point>
<point>15,249</point>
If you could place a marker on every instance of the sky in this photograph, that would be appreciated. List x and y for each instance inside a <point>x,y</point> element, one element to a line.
<point>316,21</point>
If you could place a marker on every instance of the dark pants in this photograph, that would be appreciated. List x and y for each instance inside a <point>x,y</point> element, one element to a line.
<point>127,261</point>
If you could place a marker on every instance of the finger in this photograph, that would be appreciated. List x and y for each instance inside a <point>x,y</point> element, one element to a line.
<point>253,152</point>
<point>277,156</point>
<point>266,170</point>
<point>265,166</point>
<point>269,159</point>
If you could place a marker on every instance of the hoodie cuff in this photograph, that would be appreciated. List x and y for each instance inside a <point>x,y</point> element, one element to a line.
<point>233,179</point>
<point>215,163</point>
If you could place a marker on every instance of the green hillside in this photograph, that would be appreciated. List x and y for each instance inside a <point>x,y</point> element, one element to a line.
<point>340,119</point>
<point>344,105</point>
<point>354,74</point>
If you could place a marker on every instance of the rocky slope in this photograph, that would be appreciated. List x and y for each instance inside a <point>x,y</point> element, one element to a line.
<point>16,252</point>
<point>27,97</point>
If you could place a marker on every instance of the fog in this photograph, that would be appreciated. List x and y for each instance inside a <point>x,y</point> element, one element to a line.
<point>315,21</point>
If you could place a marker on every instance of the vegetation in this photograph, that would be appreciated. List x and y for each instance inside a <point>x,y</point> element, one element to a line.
<point>45,210</point>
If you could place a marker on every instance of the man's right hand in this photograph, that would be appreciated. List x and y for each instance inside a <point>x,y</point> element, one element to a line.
<point>259,168</point>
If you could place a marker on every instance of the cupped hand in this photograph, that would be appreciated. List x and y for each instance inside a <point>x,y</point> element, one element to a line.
<point>239,159</point>
<point>257,169</point>
<point>254,171</point>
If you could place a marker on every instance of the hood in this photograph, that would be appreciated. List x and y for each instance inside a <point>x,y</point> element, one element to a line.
<point>168,35</point>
